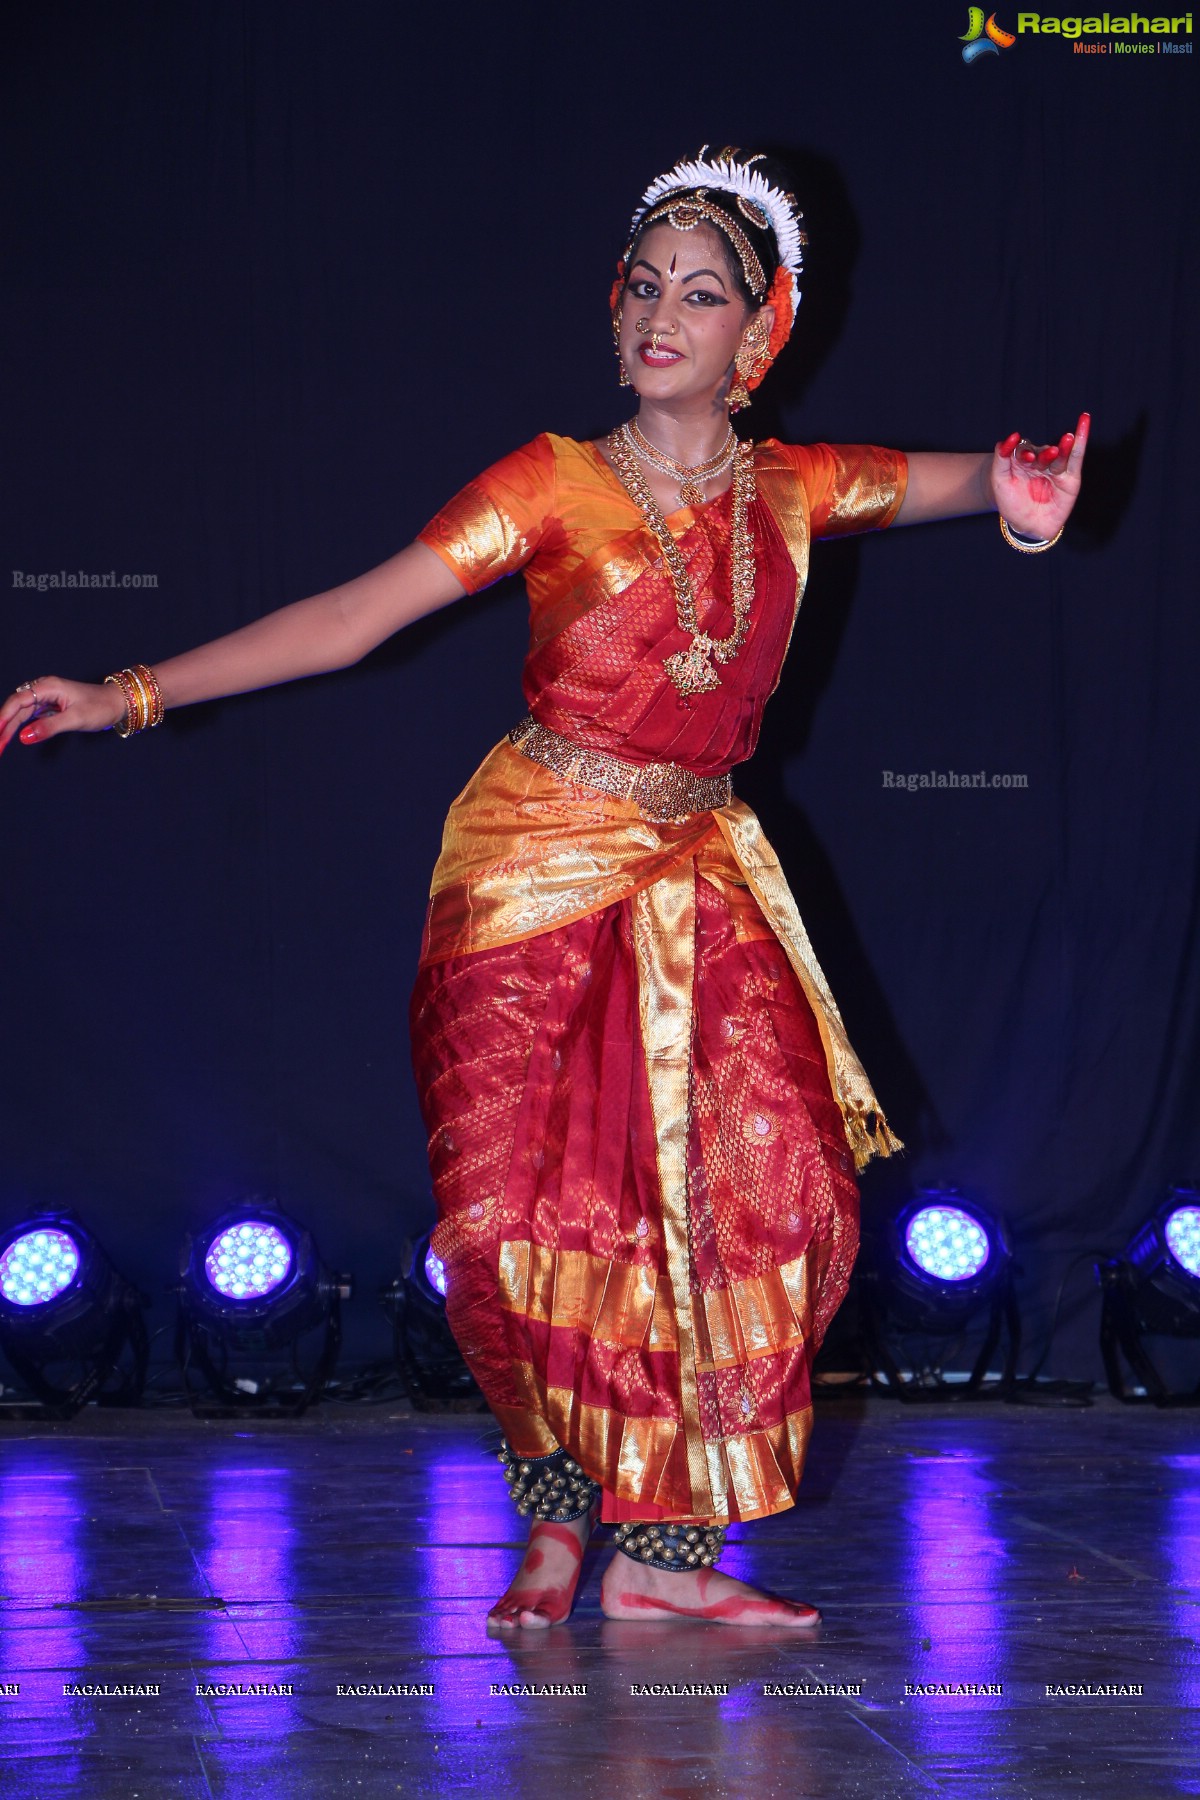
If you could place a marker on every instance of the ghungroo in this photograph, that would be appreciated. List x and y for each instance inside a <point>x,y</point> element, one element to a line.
<point>549,1487</point>
<point>672,1546</point>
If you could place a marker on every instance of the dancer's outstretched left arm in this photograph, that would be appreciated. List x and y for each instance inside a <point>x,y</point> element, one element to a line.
<point>1032,486</point>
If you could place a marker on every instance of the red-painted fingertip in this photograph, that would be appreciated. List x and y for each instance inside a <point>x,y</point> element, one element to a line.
<point>1009,444</point>
<point>28,736</point>
<point>1028,456</point>
<point>1047,456</point>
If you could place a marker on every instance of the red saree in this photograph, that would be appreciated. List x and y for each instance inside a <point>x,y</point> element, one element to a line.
<point>644,1116</point>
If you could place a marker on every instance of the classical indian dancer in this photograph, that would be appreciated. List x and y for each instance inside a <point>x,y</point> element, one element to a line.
<point>645,1118</point>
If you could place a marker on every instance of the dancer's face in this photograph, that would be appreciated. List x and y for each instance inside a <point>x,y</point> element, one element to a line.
<point>681,289</point>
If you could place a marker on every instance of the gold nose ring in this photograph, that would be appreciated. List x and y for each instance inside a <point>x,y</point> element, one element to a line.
<point>655,333</point>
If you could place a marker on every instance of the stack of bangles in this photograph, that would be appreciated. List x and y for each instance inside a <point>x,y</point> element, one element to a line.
<point>143,699</point>
<point>1028,546</point>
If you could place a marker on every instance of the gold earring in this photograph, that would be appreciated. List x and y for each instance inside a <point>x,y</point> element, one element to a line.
<point>752,351</point>
<point>751,361</point>
<point>623,373</point>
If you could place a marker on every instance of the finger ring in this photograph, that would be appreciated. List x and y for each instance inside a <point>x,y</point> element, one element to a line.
<point>24,687</point>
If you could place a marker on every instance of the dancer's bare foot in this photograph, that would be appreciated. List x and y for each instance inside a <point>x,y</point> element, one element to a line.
<point>630,1590</point>
<point>543,1589</point>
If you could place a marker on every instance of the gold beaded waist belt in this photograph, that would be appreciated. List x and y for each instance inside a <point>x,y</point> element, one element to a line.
<point>664,791</point>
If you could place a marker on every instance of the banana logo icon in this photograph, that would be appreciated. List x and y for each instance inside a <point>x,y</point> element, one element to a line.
<point>984,37</point>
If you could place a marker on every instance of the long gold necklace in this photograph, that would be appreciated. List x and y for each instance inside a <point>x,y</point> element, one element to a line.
<point>692,669</point>
<point>691,477</point>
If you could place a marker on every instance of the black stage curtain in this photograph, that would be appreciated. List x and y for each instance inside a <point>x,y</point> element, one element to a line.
<point>280,277</point>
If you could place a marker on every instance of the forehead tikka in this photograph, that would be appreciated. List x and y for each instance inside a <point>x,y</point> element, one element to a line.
<point>726,173</point>
<point>686,215</point>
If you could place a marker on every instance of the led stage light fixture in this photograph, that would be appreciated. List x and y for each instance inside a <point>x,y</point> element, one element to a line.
<point>1153,1290</point>
<point>259,1314</point>
<point>70,1325</point>
<point>942,1263</point>
<point>429,1361</point>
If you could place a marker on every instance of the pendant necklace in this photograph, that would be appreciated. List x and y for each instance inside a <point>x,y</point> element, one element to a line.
<point>691,479</point>
<point>692,669</point>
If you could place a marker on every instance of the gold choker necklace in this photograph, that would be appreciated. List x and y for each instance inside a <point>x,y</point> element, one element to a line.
<point>691,478</point>
<point>692,669</point>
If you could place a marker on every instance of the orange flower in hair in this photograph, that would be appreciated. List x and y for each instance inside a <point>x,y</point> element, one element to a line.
<point>779,295</point>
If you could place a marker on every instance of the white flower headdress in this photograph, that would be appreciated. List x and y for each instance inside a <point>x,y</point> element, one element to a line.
<point>759,200</point>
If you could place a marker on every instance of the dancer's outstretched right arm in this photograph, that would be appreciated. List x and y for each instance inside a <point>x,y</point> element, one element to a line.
<point>326,631</point>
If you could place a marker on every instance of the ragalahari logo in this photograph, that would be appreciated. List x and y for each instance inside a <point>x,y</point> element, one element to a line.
<point>984,38</point>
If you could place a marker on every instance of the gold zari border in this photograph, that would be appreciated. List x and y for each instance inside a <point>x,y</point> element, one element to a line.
<point>621,1304</point>
<point>751,1474</point>
<point>664,943</point>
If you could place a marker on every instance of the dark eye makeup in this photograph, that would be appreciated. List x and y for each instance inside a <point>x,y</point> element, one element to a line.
<point>642,288</point>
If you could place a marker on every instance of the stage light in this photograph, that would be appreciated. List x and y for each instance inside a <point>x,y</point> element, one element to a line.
<point>1182,1232</point>
<point>70,1325</point>
<point>946,1243</point>
<point>435,1272</point>
<point>37,1266</point>
<point>253,1290</point>
<point>248,1259</point>
<point>1152,1290</point>
<point>942,1263</point>
<point>429,1361</point>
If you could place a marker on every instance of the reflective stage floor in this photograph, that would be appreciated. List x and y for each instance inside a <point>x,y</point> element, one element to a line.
<point>948,1546</point>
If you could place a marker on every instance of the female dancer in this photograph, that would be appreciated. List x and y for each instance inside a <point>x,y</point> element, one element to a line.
<point>644,1114</point>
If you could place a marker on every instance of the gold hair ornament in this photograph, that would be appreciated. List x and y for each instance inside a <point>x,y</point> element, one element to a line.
<point>757,198</point>
<point>685,215</point>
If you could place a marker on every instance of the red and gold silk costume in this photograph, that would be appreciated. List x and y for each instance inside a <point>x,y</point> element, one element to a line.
<point>644,1115</point>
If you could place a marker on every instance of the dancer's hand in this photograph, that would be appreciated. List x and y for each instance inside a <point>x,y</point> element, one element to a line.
<point>41,709</point>
<point>1036,485</point>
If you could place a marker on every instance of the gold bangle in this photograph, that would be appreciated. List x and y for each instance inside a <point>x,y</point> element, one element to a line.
<point>157,707</point>
<point>1028,546</point>
<point>143,699</point>
<point>127,727</point>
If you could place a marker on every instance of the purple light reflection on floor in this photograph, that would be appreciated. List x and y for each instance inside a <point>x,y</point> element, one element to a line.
<point>1182,1536</point>
<point>953,1575</point>
<point>467,1500</point>
<point>469,1516</point>
<point>42,1571</point>
<point>247,1558</point>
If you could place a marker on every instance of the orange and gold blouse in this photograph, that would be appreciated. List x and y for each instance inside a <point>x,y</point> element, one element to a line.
<point>602,605</point>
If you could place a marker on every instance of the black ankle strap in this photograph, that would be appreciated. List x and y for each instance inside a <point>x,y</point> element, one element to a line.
<point>549,1487</point>
<point>674,1547</point>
